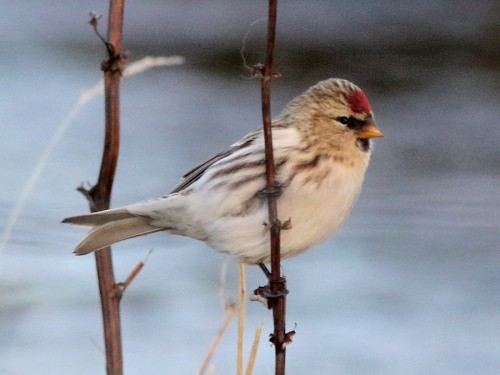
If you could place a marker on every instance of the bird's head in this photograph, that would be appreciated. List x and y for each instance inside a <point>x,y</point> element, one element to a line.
<point>334,110</point>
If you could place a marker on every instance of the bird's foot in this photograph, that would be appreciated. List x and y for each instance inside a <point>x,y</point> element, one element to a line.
<point>269,293</point>
<point>273,191</point>
<point>274,289</point>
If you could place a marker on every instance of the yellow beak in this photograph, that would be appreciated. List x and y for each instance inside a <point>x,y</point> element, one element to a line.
<point>370,131</point>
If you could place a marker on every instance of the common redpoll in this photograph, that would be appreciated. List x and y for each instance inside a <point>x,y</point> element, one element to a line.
<point>321,145</point>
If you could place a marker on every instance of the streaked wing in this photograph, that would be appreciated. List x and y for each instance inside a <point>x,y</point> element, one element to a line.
<point>195,173</point>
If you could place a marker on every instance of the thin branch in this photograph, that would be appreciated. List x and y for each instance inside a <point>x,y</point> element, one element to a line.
<point>273,189</point>
<point>241,319</point>
<point>122,286</point>
<point>138,268</point>
<point>230,312</point>
<point>253,352</point>
<point>99,196</point>
<point>277,283</point>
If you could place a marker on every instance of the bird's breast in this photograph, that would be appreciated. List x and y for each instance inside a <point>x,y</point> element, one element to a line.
<point>316,201</point>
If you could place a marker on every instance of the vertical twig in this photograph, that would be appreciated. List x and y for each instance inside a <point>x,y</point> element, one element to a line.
<point>253,352</point>
<point>99,196</point>
<point>230,312</point>
<point>277,283</point>
<point>241,319</point>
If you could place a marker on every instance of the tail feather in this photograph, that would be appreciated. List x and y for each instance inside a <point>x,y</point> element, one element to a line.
<point>110,226</point>
<point>99,218</point>
<point>115,231</point>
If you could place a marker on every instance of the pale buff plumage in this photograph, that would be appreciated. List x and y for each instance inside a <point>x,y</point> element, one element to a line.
<point>322,150</point>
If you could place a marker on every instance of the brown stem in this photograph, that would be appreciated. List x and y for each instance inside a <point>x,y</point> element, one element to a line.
<point>99,196</point>
<point>277,283</point>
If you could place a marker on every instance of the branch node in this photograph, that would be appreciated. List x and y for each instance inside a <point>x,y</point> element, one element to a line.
<point>289,336</point>
<point>118,290</point>
<point>89,194</point>
<point>287,224</point>
<point>115,63</point>
<point>287,339</point>
<point>120,287</point>
<point>259,70</point>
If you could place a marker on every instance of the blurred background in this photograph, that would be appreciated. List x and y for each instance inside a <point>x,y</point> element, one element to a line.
<point>410,285</point>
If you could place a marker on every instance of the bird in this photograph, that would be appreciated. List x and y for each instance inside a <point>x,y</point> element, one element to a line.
<point>322,147</point>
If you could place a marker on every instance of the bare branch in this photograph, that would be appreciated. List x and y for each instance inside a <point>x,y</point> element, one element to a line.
<point>278,291</point>
<point>99,196</point>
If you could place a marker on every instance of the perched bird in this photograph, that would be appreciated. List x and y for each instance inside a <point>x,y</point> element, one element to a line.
<point>321,146</point>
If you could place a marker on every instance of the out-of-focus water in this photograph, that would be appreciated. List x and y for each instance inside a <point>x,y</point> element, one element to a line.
<point>410,285</point>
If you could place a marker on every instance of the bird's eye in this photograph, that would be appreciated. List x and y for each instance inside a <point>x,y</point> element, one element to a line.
<point>343,120</point>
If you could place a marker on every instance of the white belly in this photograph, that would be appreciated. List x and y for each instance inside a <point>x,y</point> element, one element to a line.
<point>315,207</point>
